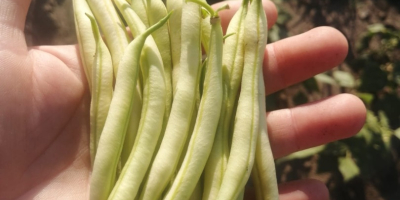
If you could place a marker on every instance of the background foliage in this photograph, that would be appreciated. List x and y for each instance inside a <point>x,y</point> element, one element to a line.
<point>366,166</point>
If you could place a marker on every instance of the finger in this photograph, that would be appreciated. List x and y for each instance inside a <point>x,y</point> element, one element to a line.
<point>298,58</point>
<point>313,124</point>
<point>226,15</point>
<point>12,22</point>
<point>303,190</point>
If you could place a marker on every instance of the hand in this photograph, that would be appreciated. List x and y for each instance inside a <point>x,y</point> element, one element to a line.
<point>44,109</point>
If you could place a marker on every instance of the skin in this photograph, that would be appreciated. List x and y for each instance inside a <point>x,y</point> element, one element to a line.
<point>44,109</point>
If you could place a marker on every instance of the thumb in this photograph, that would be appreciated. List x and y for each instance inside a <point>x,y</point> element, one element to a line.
<point>12,21</point>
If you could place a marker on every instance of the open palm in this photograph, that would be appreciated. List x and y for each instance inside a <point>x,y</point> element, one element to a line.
<point>44,109</point>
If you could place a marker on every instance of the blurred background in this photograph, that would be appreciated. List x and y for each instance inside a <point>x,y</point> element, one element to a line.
<point>364,167</point>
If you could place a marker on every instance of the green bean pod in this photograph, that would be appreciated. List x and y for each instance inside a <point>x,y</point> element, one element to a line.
<point>139,6</point>
<point>149,130</point>
<point>197,194</point>
<point>86,42</point>
<point>102,85</point>
<point>232,72</point>
<point>112,28</point>
<point>247,121</point>
<point>110,146</point>
<point>183,106</point>
<point>137,27</point>
<point>87,49</point>
<point>175,38</point>
<point>205,34</point>
<point>202,138</point>
<point>156,10</point>
<point>263,173</point>
<point>241,194</point>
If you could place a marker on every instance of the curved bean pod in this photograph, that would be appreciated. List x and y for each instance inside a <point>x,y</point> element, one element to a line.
<point>112,28</point>
<point>150,127</point>
<point>139,7</point>
<point>137,27</point>
<point>202,138</point>
<point>87,45</point>
<point>263,173</point>
<point>156,10</point>
<point>246,128</point>
<point>178,126</point>
<point>175,38</point>
<point>110,146</point>
<point>232,72</point>
<point>102,83</point>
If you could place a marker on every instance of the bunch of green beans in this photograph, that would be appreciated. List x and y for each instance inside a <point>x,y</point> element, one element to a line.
<point>177,109</point>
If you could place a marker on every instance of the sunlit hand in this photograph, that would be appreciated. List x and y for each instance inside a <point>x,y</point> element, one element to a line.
<point>44,109</point>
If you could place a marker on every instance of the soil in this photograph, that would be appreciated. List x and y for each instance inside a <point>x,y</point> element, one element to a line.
<point>50,22</point>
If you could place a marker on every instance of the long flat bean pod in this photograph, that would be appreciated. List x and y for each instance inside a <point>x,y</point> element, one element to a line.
<point>202,138</point>
<point>175,38</point>
<point>139,6</point>
<point>102,85</point>
<point>246,128</point>
<point>86,42</point>
<point>205,34</point>
<point>232,72</point>
<point>137,27</point>
<point>263,173</point>
<point>156,10</point>
<point>178,126</point>
<point>87,49</point>
<point>110,146</point>
<point>149,129</point>
<point>112,28</point>
<point>197,194</point>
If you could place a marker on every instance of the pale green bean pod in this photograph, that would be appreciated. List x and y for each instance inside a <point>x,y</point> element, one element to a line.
<point>102,88</point>
<point>241,194</point>
<point>139,6</point>
<point>110,146</point>
<point>112,28</point>
<point>86,42</point>
<point>263,173</point>
<point>156,10</point>
<point>137,27</point>
<point>150,127</point>
<point>175,38</point>
<point>197,194</point>
<point>232,72</point>
<point>87,50</point>
<point>183,106</point>
<point>205,33</point>
<point>247,121</point>
<point>202,138</point>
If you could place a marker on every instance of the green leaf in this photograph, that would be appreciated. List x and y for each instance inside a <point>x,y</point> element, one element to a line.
<point>397,133</point>
<point>274,34</point>
<point>345,79</point>
<point>366,97</point>
<point>372,122</point>
<point>365,133</point>
<point>383,120</point>
<point>376,28</point>
<point>302,154</point>
<point>324,78</point>
<point>348,168</point>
